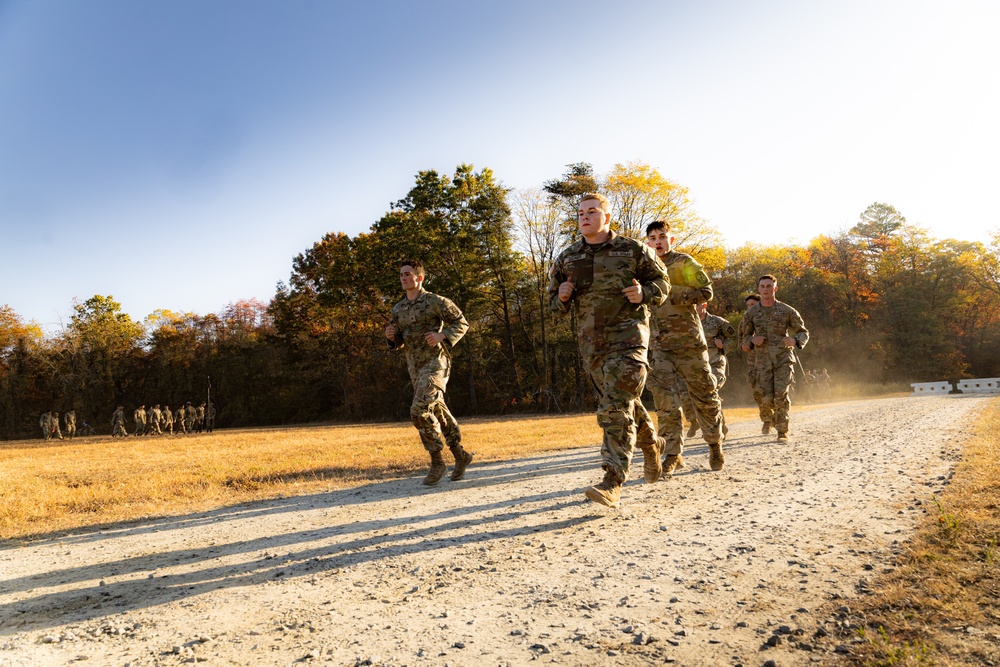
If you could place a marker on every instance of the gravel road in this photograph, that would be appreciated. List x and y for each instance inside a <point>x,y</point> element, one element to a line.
<point>513,565</point>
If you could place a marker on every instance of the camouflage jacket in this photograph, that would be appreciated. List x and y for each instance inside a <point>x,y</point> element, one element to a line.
<point>428,313</point>
<point>774,323</point>
<point>717,327</point>
<point>751,356</point>
<point>676,321</point>
<point>606,320</point>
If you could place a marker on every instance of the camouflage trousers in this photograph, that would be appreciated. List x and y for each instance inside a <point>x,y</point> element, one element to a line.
<point>669,369</point>
<point>758,395</point>
<point>619,378</point>
<point>773,381</point>
<point>430,415</point>
<point>70,429</point>
<point>118,428</point>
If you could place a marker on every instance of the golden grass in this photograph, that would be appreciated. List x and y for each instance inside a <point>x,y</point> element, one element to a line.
<point>59,486</point>
<point>949,578</point>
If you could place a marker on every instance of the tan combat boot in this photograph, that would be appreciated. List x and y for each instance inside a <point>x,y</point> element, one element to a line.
<point>715,458</point>
<point>692,430</point>
<point>766,428</point>
<point>437,470</point>
<point>608,492</point>
<point>672,462</point>
<point>652,468</point>
<point>782,436</point>
<point>462,460</point>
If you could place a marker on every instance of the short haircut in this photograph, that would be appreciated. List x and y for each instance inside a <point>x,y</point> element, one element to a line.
<point>752,297</point>
<point>657,224</point>
<point>418,266</point>
<point>767,276</point>
<point>605,204</point>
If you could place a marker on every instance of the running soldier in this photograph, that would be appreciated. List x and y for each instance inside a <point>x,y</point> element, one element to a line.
<point>751,361</point>
<point>720,336</point>
<point>69,419</point>
<point>679,349</point>
<point>118,423</point>
<point>768,325</point>
<point>427,327</point>
<point>610,281</point>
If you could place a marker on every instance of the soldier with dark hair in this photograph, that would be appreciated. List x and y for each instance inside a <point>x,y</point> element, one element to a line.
<point>679,352</point>
<point>774,329</point>
<point>610,282</point>
<point>118,423</point>
<point>45,423</point>
<point>427,327</point>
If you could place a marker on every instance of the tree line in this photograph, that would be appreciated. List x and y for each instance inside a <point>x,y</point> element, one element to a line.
<point>884,301</point>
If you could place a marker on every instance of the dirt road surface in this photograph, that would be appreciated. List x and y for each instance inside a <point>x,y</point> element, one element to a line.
<point>512,565</point>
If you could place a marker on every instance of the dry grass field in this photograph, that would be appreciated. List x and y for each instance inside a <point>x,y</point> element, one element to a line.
<point>63,485</point>
<point>941,605</point>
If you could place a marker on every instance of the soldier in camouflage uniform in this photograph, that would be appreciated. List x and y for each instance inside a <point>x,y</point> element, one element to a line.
<point>609,282</point>
<point>190,417</point>
<point>751,361</point>
<point>773,329</point>
<point>69,419</point>
<point>155,419</point>
<point>45,423</point>
<point>168,419</point>
<point>427,327</point>
<point>118,423</point>
<point>210,417</point>
<point>139,416</point>
<point>679,349</point>
<point>54,422</point>
<point>201,417</point>
<point>179,419</point>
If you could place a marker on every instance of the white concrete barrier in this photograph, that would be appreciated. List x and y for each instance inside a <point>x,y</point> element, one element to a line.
<point>979,385</point>
<point>929,388</point>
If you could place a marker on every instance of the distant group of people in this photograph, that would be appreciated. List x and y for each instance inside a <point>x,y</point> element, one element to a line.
<point>642,317</point>
<point>159,421</point>
<point>49,423</point>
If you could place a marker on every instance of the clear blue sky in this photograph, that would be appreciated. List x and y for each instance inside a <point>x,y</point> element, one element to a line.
<point>179,154</point>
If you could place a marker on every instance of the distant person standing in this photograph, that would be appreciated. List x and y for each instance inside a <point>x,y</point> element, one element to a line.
<point>201,418</point>
<point>427,327</point>
<point>190,417</point>
<point>750,357</point>
<point>773,330</point>
<point>610,281</point>
<point>69,419</point>
<point>210,417</point>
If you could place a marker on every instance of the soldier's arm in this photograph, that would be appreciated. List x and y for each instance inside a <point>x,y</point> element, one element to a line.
<point>727,333</point>
<point>652,275</point>
<point>397,343</point>
<point>455,324</point>
<point>696,287</point>
<point>798,328</point>
<point>556,278</point>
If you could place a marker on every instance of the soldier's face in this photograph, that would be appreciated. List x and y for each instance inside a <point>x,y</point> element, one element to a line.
<point>766,288</point>
<point>660,241</point>
<point>592,219</point>
<point>408,278</point>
